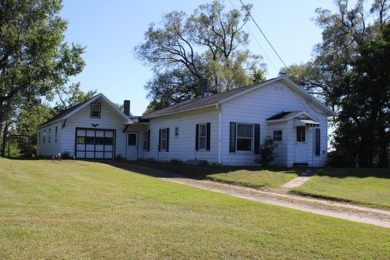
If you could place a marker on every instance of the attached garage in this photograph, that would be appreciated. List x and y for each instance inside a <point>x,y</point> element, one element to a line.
<point>94,143</point>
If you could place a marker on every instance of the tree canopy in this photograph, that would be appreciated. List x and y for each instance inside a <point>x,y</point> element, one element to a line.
<point>34,59</point>
<point>351,73</point>
<point>208,44</point>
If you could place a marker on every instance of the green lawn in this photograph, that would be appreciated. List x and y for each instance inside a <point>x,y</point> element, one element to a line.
<point>362,186</point>
<point>77,209</point>
<point>256,177</point>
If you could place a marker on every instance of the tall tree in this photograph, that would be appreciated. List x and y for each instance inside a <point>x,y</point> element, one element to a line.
<point>210,43</point>
<point>33,58</point>
<point>351,71</point>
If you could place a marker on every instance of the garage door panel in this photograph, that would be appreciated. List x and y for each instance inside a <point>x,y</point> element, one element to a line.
<point>95,143</point>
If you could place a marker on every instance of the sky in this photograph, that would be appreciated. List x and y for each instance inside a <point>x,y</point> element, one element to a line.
<point>111,29</point>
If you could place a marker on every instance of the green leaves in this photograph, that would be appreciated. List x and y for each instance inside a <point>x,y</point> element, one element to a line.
<point>210,43</point>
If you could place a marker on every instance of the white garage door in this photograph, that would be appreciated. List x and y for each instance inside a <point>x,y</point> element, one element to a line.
<point>95,143</point>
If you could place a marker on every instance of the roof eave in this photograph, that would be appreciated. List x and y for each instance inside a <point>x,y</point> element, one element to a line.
<point>181,111</point>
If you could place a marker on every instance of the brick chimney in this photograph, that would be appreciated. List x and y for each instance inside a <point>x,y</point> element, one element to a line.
<point>126,107</point>
<point>203,88</point>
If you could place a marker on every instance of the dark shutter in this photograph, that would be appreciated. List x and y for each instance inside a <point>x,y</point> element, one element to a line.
<point>208,125</point>
<point>197,137</point>
<point>159,140</point>
<point>232,139</point>
<point>148,148</point>
<point>167,140</point>
<point>257,139</point>
<point>318,141</point>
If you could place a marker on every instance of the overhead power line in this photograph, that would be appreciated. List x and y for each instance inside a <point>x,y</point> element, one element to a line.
<point>261,31</point>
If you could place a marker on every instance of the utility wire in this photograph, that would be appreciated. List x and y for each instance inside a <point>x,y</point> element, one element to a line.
<point>265,37</point>
<point>257,41</point>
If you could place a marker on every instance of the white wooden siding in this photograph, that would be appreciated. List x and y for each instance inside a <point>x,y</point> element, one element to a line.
<point>52,148</point>
<point>182,147</point>
<point>256,107</point>
<point>66,143</point>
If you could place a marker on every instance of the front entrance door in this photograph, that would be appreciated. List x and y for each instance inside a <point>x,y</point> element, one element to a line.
<point>132,146</point>
<point>300,145</point>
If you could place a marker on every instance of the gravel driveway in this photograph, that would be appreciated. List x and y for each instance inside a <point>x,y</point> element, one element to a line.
<point>280,197</point>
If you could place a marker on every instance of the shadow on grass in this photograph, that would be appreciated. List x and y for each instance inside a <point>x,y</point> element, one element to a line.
<point>171,170</point>
<point>352,172</point>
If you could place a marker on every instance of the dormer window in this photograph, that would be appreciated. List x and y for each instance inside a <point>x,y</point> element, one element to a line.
<point>95,110</point>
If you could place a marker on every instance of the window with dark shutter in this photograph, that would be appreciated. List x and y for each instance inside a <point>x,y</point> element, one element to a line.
<point>163,143</point>
<point>202,136</point>
<point>147,140</point>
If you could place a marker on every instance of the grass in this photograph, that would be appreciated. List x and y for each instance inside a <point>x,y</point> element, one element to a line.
<point>256,177</point>
<point>369,187</point>
<point>77,209</point>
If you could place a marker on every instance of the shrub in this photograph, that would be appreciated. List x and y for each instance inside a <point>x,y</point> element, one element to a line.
<point>266,154</point>
<point>65,155</point>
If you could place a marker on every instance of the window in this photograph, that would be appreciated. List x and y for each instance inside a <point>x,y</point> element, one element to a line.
<point>176,131</point>
<point>147,140</point>
<point>202,136</point>
<point>44,136</point>
<point>318,141</point>
<point>39,137</point>
<point>277,135</point>
<point>132,139</point>
<point>95,110</point>
<point>80,140</point>
<point>49,135</point>
<point>163,144</point>
<point>244,137</point>
<point>301,134</point>
<point>56,134</point>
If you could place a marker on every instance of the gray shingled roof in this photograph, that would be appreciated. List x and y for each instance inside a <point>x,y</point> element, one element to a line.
<point>200,102</point>
<point>64,113</point>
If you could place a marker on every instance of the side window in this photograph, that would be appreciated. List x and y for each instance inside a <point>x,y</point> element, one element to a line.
<point>147,140</point>
<point>56,134</point>
<point>244,137</point>
<point>277,135</point>
<point>202,136</point>
<point>95,110</point>
<point>49,135</point>
<point>163,144</point>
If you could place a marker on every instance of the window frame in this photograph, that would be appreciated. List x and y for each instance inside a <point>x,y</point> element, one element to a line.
<point>146,141</point>
<point>238,148</point>
<point>277,137</point>
<point>94,110</point>
<point>202,137</point>
<point>163,142</point>
<point>56,134</point>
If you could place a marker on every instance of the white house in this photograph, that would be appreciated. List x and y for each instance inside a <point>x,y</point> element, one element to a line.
<point>225,128</point>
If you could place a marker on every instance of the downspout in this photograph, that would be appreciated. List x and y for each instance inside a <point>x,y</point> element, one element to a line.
<point>219,133</point>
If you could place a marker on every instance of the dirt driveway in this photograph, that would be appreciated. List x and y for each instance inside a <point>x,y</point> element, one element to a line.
<point>281,197</point>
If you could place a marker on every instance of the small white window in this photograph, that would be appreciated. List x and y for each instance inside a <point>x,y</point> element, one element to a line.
<point>56,135</point>
<point>277,135</point>
<point>202,136</point>
<point>95,110</point>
